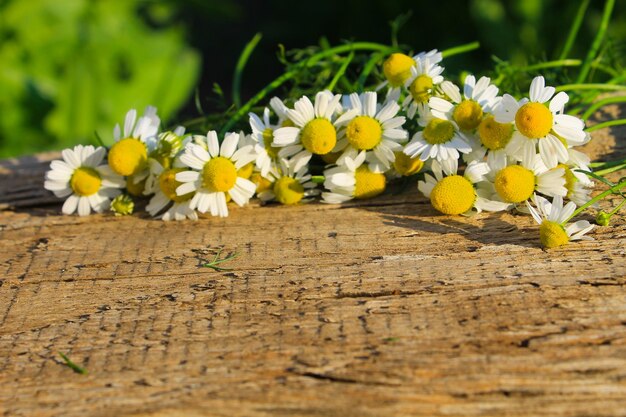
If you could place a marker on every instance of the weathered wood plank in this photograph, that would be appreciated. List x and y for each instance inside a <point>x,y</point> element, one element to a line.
<point>382,308</point>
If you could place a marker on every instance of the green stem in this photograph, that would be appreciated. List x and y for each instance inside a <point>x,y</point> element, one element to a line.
<point>551,64</point>
<point>241,64</point>
<point>367,69</point>
<point>602,125</point>
<point>461,49</point>
<point>616,209</point>
<point>610,169</point>
<point>341,71</point>
<point>594,107</point>
<point>612,190</point>
<point>597,42</point>
<point>368,46</point>
<point>583,86</point>
<point>571,37</point>
<point>318,179</point>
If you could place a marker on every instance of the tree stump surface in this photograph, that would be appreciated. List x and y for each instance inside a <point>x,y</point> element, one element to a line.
<point>377,308</point>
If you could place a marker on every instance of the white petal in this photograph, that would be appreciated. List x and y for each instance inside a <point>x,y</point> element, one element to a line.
<point>212,143</point>
<point>70,204</point>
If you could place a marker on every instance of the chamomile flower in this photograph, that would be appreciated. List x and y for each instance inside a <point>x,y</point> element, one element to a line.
<point>541,126</point>
<point>315,128</point>
<point>552,218</point>
<point>374,129</point>
<point>425,76</point>
<point>352,180</point>
<point>292,185</point>
<point>84,180</point>
<point>490,137</point>
<point>451,193</point>
<point>165,195</point>
<point>405,166</point>
<point>440,140</point>
<point>515,183</point>
<point>397,67</point>
<point>214,173</point>
<point>263,136</point>
<point>466,111</point>
<point>129,154</point>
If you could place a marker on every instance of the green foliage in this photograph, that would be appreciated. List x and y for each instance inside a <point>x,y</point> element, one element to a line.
<point>70,67</point>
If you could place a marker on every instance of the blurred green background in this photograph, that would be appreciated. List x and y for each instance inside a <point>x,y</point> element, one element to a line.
<point>72,67</point>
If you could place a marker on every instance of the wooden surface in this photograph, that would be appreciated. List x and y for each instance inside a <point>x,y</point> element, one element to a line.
<point>376,309</point>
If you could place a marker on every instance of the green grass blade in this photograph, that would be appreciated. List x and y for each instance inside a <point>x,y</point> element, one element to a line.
<point>571,37</point>
<point>241,64</point>
<point>602,125</point>
<point>597,42</point>
<point>72,365</point>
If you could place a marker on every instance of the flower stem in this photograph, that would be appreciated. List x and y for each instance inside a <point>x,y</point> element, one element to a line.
<point>597,198</point>
<point>606,124</point>
<point>583,86</point>
<point>243,110</point>
<point>461,49</point>
<point>601,103</point>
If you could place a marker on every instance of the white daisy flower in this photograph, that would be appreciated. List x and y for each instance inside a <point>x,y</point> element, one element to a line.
<point>80,176</point>
<point>165,195</point>
<point>397,68</point>
<point>540,126</point>
<point>514,184</point>
<point>292,185</point>
<point>263,136</point>
<point>129,154</point>
<point>451,193</point>
<point>215,173</point>
<point>552,218</point>
<point>579,186</point>
<point>352,180</point>
<point>441,139</point>
<point>315,129</point>
<point>372,128</point>
<point>467,111</point>
<point>425,76</point>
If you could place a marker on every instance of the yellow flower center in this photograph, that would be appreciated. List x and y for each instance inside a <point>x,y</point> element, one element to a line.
<point>219,174</point>
<point>268,138</point>
<point>515,184</point>
<point>534,120</point>
<point>570,178</point>
<point>288,190</point>
<point>368,184</point>
<point>364,132</point>
<point>128,156</point>
<point>85,181</point>
<point>552,234</point>
<point>453,195</point>
<point>246,171</point>
<point>494,135</point>
<point>397,69</point>
<point>133,188</point>
<point>319,136</point>
<point>405,165</point>
<point>262,183</point>
<point>168,185</point>
<point>420,88</point>
<point>438,131</point>
<point>468,114</point>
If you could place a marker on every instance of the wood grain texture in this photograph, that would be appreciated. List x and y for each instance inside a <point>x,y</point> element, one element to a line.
<point>382,308</point>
